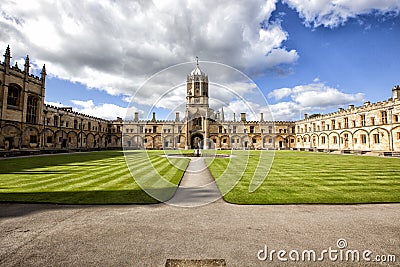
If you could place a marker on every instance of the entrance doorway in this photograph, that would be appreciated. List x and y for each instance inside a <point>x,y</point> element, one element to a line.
<point>196,141</point>
<point>280,144</point>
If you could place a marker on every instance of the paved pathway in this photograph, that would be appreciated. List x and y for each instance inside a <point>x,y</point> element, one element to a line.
<point>197,187</point>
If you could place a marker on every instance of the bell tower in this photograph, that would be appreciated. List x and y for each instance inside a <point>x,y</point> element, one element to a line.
<point>197,89</point>
<point>197,108</point>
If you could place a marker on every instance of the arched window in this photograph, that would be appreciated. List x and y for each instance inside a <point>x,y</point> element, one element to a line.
<point>13,98</point>
<point>32,109</point>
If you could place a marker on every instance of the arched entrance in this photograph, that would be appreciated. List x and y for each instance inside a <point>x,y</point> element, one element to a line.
<point>196,141</point>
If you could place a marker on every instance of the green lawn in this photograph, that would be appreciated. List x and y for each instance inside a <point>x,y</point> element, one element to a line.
<point>89,178</point>
<point>306,177</point>
<point>107,178</point>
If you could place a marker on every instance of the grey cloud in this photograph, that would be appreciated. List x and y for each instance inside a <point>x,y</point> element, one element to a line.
<point>114,46</point>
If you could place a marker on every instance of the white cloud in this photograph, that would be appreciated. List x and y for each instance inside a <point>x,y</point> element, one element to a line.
<point>116,45</point>
<point>278,94</point>
<point>309,98</point>
<point>105,110</point>
<point>55,104</point>
<point>332,13</point>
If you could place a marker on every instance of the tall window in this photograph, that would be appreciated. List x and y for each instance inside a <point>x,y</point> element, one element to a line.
<point>251,129</point>
<point>384,117</point>
<point>75,124</point>
<point>55,120</point>
<point>346,122</point>
<point>362,119</point>
<point>363,138</point>
<point>13,96</point>
<point>32,108</point>
<point>333,124</point>
<point>376,139</point>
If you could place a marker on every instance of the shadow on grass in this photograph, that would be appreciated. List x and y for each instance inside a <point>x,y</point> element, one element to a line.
<point>91,197</point>
<point>13,165</point>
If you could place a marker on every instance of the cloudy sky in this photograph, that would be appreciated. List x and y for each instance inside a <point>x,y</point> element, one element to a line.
<point>305,56</point>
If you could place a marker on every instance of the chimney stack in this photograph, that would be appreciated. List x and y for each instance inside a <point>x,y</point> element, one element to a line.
<point>305,116</point>
<point>242,116</point>
<point>136,119</point>
<point>396,92</point>
<point>154,117</point>
<point>177,116</point>
<point>262,117</point>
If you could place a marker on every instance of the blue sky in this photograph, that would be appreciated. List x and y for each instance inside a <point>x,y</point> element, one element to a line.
<point>304,56</point>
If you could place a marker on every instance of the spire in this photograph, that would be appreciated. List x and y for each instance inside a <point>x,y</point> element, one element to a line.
<point>8,53</point>
<point>27,65</point>
<point>43,74</point>
<point>7,57</point>
<point>197,70</point>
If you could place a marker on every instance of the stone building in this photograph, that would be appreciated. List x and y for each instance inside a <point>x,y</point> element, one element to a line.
<point>204,128</point>
<point>28,124</point>
<point>371,127</point>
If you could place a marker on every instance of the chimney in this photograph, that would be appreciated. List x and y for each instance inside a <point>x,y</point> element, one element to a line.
<point>396,92</point>
<point>341,109</point>
<point>305,116</point>
<point>136,116</point>
<point>367,103</point>
<point>262,117</point>
<point>351,106</point>
<point>242,116</point>
<point>234,116</point>
<point>176,116</point>
<point>154,117</point>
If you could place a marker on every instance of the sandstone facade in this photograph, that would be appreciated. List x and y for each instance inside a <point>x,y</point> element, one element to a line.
<point>27,123</point>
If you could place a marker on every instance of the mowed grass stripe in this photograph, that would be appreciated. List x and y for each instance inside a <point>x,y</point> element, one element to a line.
<point>26,180</point>
<point>118,182</point>
<point>63,180</point>
<point>109,171</point>
<point>302,177</point>
<point>99,177</point>
<point>90,181</point>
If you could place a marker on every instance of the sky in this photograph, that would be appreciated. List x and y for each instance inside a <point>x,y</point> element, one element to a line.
<point>289,57</point>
